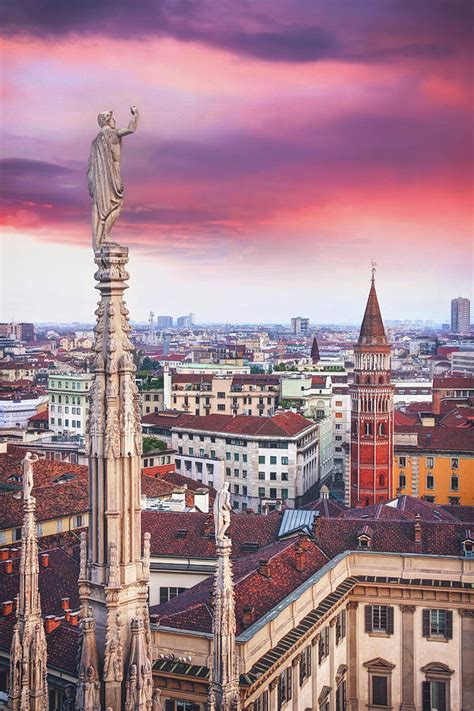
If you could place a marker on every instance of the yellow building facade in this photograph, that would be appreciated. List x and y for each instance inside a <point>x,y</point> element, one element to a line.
<point>436,466</point>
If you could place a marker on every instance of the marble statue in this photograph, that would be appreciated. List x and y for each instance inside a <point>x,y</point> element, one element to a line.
<point>28,462</point>
<point>222,509</point>
<point>103,175</point>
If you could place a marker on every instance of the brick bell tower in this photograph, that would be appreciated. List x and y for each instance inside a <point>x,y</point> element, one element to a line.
<point>371,471</point>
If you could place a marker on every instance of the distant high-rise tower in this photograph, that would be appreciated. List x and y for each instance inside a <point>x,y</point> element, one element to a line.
<point>371,475</point>
<point>460,315</point>
<point>300,325</point>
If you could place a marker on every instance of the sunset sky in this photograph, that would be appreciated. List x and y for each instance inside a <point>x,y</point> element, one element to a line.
<point>282,145</point>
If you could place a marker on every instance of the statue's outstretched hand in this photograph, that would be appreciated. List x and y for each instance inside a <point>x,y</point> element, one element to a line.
<point>134,110</point>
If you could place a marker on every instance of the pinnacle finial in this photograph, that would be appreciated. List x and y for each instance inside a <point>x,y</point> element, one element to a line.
<point>374,269</point>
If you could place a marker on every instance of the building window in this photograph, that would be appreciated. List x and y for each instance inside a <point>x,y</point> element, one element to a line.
<point>236,456</point>
<point>402,481</point>
<point>78,521</point>
<point>379,618</point>
<point>261,459</point>
<point>261,492</point>
<point>454,483</point>
<point>380,690</point>
<point>324,699</point>
<point>380,677</point>
<point>438,623</point>
<point>273,476</point>
<point>261,475</point>
<point>323,644</point>
<point>284,461</point>
<point>305,664</point>
<point>284,686</point>
<point>436,688</point>
<point>454,463</point>
<point>221,407</point>
<point>167,594</point>
<point>59,525</point>
<point>430,481</point>
<point>273,460</point>
<point>284,494</point>
<point>261,704</point>
<point>341,696</point>
<point>284,476</point>
<point>430,462</point>
<point>340,626</point>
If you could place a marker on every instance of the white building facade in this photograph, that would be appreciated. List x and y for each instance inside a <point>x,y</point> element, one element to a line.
<point>68,403</point>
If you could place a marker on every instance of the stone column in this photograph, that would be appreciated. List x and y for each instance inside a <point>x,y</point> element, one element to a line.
<point>352,661</point>
<point>332,654</point>
<point>295,664</point>
<point>408,659</point>
<point>273,700</point>
<point>314,670</point>
<point>467,659</point>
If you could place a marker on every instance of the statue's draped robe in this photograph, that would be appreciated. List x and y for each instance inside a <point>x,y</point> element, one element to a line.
<point>105,182</point>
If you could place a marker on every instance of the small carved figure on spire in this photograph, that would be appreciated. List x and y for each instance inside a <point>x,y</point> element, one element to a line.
<point>222,509</point>
<point>28,462</point>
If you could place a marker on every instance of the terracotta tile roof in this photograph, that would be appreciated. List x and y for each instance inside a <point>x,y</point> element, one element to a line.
<point>199,540</point>
<point>41,416</point>
<point>461,513</point>
<point>459,417</point>
<point>439,439</point>
<point>56,581</point>
<point>438,538</point>
<point>191,609</point>
<point>191,378</point>
<point>372,331</point>
<point>318,380</point>
<point>403,418</point>
<point>453,383</point>
<point>284,424</point>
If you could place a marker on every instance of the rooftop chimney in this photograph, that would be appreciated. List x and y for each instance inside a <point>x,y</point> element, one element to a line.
<point>264,568</point>
<point>247,617</point>
<point>8,567</point>
<point>45,560</point>
<point>4,554</point>
<point>51,623</point>
<point>299,558</point>
<point>418,541</point>
<point>74,619</point>
<point>7,608</point>
<point>65,603</point>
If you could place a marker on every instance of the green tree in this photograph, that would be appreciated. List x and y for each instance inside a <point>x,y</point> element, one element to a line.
<point>151,444</point>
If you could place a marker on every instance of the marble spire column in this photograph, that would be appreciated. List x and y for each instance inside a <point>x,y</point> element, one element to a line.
<point>28,654</point>
<point>224,672</point>
<point>113,583</point>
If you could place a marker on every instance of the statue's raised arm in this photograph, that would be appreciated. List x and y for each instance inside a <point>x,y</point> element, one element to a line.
<point>104,179</point>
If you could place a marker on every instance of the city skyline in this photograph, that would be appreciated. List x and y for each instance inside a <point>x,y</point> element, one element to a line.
<point>272,163</point>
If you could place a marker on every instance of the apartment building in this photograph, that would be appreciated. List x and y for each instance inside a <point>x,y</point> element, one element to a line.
<point>69,402</point>
<point>435,463</point>
<point>208,394</point>
<point>267,460</point>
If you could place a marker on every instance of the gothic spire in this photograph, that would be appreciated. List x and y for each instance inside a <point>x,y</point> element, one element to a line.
<point>113,584</point>
<point>28,656</point>
<point>224,671</point>
<point>372,331</point>
<point>315,357</point>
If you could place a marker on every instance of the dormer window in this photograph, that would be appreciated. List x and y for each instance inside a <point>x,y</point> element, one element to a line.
<point>364,542</point>
<point>468,544</point>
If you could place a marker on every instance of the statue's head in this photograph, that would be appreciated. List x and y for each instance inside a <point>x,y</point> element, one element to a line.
<point>106,118</point>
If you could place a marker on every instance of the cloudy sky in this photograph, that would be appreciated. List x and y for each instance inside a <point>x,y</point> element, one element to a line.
<point>282,145</point>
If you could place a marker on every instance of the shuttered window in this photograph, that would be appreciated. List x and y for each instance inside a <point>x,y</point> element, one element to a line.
<point>379,618</point>
<point>438,623</point>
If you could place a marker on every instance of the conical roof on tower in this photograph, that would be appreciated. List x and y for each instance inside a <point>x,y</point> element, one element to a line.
<point>315,357</point>
<point>372,331</point>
